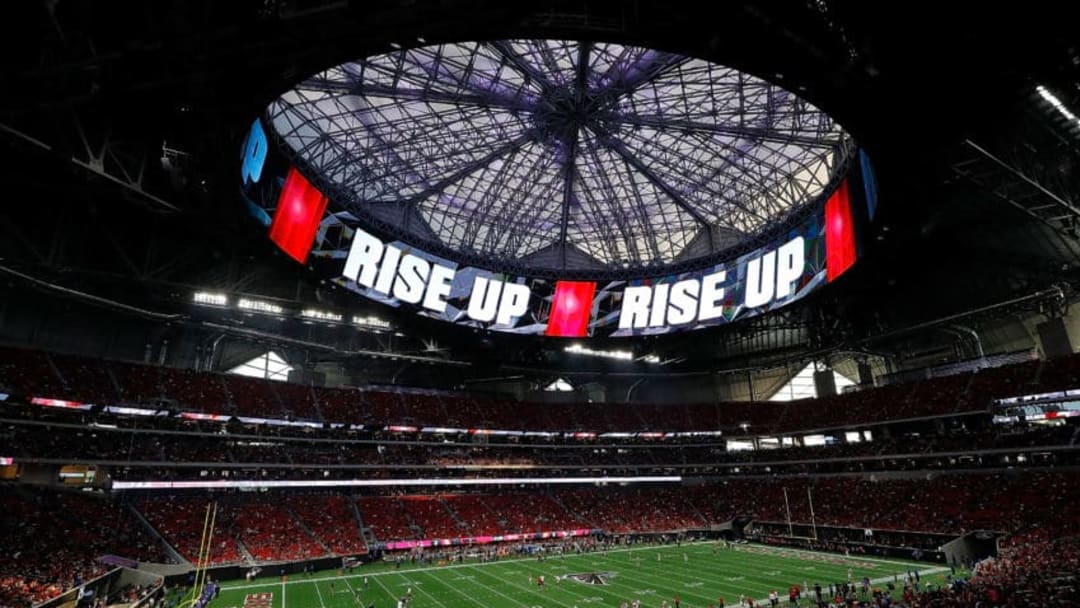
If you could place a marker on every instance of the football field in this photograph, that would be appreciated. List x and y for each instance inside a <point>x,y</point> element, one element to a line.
<point>697,573</point>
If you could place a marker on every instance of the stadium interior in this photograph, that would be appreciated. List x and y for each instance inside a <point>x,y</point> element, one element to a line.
<point>746,282</point>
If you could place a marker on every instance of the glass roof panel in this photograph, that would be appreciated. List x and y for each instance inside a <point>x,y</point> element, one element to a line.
<point>505,148</point>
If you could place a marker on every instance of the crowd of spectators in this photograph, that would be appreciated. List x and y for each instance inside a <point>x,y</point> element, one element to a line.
<point>51,540</point>
<point>331,519</point>
<point>181,520</point>
<point>387,517</point>
<point>153,447</point>
<point>840,539</point>
<point>270,532</point>
<point>150,594</point>
<point>54,538</point>
<point>39,374</point>
<point>947,505</point>
<point>1032,572</point>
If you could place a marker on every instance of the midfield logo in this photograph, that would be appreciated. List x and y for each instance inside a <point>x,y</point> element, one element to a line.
<point>591,578</point>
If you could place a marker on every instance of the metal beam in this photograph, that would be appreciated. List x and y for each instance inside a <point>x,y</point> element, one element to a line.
<point>664,187</point>
<point>426,95</point>
<point>522,66</point>
<point>18,234</point>
<point>91,167</point>
<point>759,134</point>
<point>471,167</point>
<point>486,203</point>
<point>363,118</point>
<point>1053,196</point>
<point>569,167</point>
<point>646,71</point>
<point>121,253</point>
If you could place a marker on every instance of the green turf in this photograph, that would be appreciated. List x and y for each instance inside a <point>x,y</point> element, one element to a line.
<point>698,580</point>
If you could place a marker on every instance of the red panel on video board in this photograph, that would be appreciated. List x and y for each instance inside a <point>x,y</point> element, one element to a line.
<point>571,308</point>
<point>839,233</point>
<point>299,210</point>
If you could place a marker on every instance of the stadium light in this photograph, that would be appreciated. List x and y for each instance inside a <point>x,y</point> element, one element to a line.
<point>344,483</point>
<point>621,355</point>
<point>259,306</point>
<point>320,315</point>
<point>210,299</point>
<point>1060,107</point>
<point>369,321</point>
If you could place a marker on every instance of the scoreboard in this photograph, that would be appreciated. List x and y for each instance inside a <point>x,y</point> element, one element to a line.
<point>78,474</point>
<point>315,231</point>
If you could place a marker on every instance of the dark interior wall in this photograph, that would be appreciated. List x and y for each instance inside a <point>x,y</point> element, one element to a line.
<point>33,319</point>
<point>655,389</point>
<point>42,320</point>
<point>30,319</point>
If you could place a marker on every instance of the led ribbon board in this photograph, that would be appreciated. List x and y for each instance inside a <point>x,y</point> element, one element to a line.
<point>306,225</point>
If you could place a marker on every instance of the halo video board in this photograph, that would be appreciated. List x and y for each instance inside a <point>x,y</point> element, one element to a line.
<point>307,225</point>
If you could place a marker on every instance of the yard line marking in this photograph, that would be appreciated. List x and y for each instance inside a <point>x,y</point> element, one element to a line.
<point>699,565</point>
<point>610,589</point>
<point>387,590</point>
<point>352,592</point>
<point>438,568</point>
<point>319,593</point>
<point>526,589</point>
<point>419,587</point>
<point>532,559</point>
